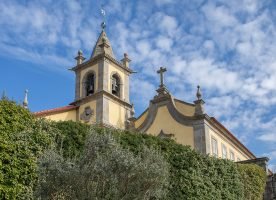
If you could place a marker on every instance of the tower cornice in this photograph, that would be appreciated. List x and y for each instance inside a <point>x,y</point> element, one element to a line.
<point>100,93</point>
<point>97,58</point>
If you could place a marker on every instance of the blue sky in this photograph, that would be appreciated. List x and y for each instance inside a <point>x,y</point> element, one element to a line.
<point>227,47</point>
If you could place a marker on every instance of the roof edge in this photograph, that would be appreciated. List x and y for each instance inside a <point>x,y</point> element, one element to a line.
<point>214,120</point>
<point>54,110</point>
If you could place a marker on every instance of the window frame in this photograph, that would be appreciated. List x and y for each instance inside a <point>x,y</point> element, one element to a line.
<point>88,83</point>
<point>83,83</point>
<point>116,76</point>
<point>232,157</point>
<point>223,147</point>
<point>214,143</point>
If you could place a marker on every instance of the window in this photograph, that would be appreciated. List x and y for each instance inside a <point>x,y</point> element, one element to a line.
<point>214,147</point>
<point>224,151</point>
<point>89,85</point>
<point>232,156</point>
<point>115,85</point>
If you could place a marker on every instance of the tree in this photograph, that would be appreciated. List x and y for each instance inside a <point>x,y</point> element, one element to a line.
<point>254,180</point>
<point>22,139</point>
<point>104,171</point>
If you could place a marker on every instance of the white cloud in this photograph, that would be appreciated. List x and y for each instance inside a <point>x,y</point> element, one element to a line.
<point>270,137</point>
<point>54,62</point>
<point>219,15</point>
<point>165,23</point>
<point>227,47</point>
<point>164,43</point>
<point>210,75</point>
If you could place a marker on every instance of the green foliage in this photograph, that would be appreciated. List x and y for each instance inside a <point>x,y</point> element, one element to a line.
<point>71,137</point>
<point>13,118</point>
<point>22,140</point>
<point>103,171</point>
<point>254,180</point>
<point>192,175</point>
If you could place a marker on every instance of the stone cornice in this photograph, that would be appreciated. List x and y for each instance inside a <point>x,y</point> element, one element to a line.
<point>100,93</point>
<point>96,59</point>
<point>184,102</point>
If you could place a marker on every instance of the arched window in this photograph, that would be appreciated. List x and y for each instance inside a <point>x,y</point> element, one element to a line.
<point>116,85</point>
<point>89,84</point>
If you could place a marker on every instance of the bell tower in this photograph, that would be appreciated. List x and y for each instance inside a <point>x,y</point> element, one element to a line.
<point>102,86</point>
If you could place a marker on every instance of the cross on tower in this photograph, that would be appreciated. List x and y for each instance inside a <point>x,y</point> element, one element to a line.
<point>161,71</point>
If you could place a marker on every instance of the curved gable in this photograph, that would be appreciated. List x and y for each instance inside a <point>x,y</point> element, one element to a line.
<point>138,122</point>
<point>186,109</point>
<point>164,123</point>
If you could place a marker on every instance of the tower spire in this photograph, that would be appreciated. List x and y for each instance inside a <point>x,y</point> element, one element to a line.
<point>102,45</point>
<point>25,102</point>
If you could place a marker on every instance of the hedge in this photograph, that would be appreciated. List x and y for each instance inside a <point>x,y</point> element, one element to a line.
<point>192,175</point>
<point>254,179</point>
<point>22,139</point>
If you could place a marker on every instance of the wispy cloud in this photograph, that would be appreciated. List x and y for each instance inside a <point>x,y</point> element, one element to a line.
<point>269,137</point>
<point>228,47</point>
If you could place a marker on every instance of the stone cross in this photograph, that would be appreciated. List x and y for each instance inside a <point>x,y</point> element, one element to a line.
<point>161,71</point>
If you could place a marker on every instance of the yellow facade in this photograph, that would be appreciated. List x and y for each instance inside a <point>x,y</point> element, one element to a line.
<point>63,116</point>
<point>230,147</point>
<point>164,121</point>
<point>141,119</point>
<point>185,109</point>
<point>92,105</point>
<point>117,115</point>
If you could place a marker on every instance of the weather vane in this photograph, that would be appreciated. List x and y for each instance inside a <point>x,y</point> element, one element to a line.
<point>103,25</point>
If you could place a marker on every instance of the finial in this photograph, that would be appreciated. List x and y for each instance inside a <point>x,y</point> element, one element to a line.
<point>79,58</point>
<point>199,103</point>
<point>126,60</point>
<point>79,52</point>
<point>25,102</point>
<point>4,96</point>
<point>103,24</point>
<point>198,93</point>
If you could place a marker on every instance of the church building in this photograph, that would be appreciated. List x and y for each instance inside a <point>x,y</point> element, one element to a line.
<point>102,97</point>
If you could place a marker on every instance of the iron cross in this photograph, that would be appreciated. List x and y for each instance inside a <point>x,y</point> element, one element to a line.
<point>161,71</point>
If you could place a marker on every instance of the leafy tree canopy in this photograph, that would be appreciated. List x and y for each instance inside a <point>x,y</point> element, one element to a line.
<point>104,171</point>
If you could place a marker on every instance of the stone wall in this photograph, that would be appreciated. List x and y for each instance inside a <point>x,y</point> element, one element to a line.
<point>270,189</point>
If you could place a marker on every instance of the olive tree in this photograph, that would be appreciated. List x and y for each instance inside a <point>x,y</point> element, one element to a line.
<point>104,171</point>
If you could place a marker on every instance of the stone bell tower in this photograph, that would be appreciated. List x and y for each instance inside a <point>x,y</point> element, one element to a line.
<point>102,86</point>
